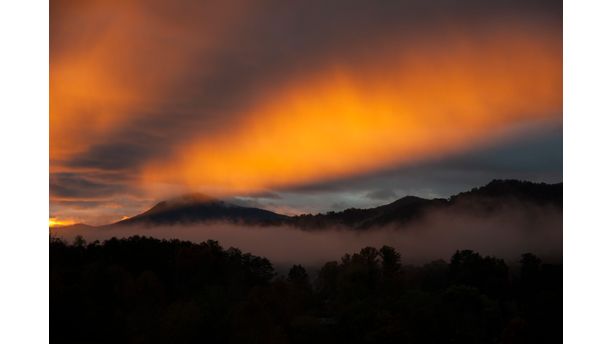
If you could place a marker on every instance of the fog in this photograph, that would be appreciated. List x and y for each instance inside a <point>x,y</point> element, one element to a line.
<point>506,234</point>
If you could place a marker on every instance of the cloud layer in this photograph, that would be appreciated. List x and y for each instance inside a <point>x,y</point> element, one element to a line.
<point>151,98</point>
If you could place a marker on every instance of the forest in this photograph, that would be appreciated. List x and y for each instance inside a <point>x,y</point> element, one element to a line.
<point>146,290</point>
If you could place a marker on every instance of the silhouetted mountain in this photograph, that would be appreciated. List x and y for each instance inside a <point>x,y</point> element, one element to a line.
<point>479,201</point>
<point>499,192</point>
<point>402,210</point>
<point>200,208</point>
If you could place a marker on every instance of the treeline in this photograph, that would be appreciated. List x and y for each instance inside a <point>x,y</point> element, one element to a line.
<point>144,290</point>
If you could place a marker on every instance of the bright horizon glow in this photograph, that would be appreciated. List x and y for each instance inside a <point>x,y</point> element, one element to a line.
<point>57,223</point>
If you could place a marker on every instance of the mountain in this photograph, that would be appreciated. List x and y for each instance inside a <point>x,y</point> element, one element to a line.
<point>194,208</point>
<point>482,201</point>
<point>403,210</point>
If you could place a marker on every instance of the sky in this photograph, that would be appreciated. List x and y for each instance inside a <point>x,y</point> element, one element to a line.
<point>298,106</point>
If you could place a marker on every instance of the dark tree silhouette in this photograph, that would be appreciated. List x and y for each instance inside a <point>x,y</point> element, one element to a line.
<point>144,290</point>
<point>390,260</point>
<point>298,275</point>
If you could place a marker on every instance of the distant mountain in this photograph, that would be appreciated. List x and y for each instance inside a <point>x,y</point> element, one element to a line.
<point>400,211</point>
<point>195,208</point>
<point>504,193</point>
<point>482,201</point>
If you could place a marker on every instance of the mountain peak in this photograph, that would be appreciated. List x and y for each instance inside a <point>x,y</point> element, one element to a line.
<point>197,207</point>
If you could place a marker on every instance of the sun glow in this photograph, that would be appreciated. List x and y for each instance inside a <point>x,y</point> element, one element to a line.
<point>56,223</point>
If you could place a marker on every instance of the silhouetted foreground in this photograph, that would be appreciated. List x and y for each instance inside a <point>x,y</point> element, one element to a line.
<point>143,290</point>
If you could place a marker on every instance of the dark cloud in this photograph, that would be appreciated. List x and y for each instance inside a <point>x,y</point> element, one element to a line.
<point>246,202</point>
<point>78,185</point>
<point>112,156</point>
<point>79,204</point>
<point>382,195</point>
<point>257,200</point>
<point>266,195</point>
<point>339,206</point>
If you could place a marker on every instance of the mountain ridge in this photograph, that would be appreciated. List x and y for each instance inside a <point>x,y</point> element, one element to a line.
<point>195,208</point>
<point>199,208</point>
<point>481,201</point>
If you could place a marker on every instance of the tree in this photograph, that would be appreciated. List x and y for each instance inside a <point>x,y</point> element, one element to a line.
<point>391,260</point>
<point>298,275</point>
<point>530,267</point>
<point>79,241</point>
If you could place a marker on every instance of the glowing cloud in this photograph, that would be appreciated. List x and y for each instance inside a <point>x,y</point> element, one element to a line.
<point>150,98</point>
<point>420,102</point>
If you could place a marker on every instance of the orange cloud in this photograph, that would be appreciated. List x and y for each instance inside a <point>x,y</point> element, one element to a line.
<point>113,63</point>
<point>431,98</point>
<point>152,97</point>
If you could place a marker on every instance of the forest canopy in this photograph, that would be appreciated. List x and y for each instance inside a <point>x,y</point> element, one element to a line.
<point>145,290</point>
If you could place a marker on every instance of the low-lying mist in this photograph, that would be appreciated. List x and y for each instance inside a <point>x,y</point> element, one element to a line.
<point>506,234</point>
